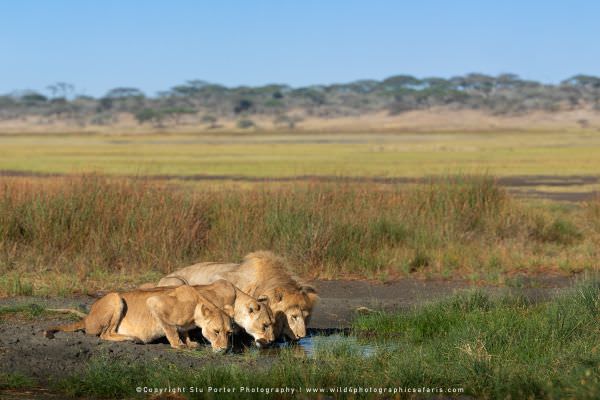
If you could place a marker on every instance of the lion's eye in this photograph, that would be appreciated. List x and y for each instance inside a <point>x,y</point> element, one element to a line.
<point>217,331</point>
<point>265,327</point>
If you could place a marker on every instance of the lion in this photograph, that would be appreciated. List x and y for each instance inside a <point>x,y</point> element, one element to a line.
<point>262,274</point>
<point>143,316</point>
<point>253,315</point>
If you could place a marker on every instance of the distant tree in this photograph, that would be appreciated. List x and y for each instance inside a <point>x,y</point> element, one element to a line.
<point>124,99</point>
<point>32,98</point>
<point>583,81</point>
<point>211,120</point>
<point>245,123</point>
<point>363,86</point>
<point>400,82</point>
<point>242,105</point>
<point>190,88</point>
<point>314,95</point>
<point>124,93</point>
<point>479,82</point>
<point>149,115</point>
<point>286,121</point>
<point>507,81</point>
<point>61,89</point>
<point>105,103</point>
<point>175,113</point>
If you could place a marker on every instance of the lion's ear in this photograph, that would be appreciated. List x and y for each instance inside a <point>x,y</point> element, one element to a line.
<point>278,294</point>
<point>310,292</point>
<point>205,311</point>
<point>228,310</point>
<point>306,289</point>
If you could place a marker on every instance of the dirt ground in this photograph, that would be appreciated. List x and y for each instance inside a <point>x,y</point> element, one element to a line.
<point>24,349</point>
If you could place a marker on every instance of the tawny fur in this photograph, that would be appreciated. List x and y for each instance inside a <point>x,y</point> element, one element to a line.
<point>146,315</point>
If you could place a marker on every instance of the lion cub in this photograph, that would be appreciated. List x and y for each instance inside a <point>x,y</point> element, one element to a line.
<point>148,314</point>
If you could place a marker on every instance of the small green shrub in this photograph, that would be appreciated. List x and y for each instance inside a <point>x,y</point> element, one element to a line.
<point>245,123</point>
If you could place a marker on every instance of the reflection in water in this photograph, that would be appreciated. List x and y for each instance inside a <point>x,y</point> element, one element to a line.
<point>312,344</point>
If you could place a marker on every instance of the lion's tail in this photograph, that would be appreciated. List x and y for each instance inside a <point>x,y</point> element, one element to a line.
<point>68,311</point>
<point>172,281</point>
<point>75,326</point>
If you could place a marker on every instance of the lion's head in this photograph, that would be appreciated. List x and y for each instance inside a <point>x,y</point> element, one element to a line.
<point>256,318</point>
<point>291,301</point>
<point>292,308</point>
<point>215,324</point>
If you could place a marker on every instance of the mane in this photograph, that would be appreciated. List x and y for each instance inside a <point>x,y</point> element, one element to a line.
<point>273,271</point>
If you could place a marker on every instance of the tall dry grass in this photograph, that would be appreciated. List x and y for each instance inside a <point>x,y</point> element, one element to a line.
<point>454,227</point>
<point>99,223</point>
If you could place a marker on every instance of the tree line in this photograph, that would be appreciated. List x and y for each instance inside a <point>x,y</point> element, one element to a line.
<point>207,103</point>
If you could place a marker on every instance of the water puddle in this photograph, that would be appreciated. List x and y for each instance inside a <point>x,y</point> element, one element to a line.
<point>328,340</point>
<point>317,341</point>
<point>310,344</point>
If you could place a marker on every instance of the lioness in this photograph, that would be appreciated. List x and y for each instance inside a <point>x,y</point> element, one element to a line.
<point>146,315</point>
<point>262,274</point>
<point>253,315</point>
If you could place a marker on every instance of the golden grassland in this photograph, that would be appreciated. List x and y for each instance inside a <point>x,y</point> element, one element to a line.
<point>84,233</point>
<point>270,155</point>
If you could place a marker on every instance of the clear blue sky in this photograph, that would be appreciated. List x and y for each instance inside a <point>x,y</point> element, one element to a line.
<point>153,45</point>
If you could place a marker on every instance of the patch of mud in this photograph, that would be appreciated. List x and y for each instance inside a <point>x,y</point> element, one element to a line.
<point>24,349</point>
<point>340,300</point>
<point>28,394</point>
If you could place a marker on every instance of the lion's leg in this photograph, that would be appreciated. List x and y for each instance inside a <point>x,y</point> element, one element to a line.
<point>172,335</point>
<point>105,314</point>
<point>188,341</point>
<point>158,306</point>
<point>115,307</point>
<point>117,337</point>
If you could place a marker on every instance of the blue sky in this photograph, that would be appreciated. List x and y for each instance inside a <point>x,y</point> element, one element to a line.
<point>153,45</point>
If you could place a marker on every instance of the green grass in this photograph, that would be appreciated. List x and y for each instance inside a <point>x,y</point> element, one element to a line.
<point>493,348</point>
<point>504,153</point>
<point>15,381</point>
<point>60,236</point>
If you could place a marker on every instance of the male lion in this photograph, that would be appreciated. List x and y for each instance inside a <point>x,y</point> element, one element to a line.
<point>146,315</point>
<point>262,274</point>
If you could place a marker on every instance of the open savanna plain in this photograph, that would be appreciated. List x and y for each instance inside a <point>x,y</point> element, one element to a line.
<point>284,155</point>
<point>393,229</point>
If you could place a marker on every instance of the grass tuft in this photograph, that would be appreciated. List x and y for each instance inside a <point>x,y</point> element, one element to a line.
<point>15,381</point>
